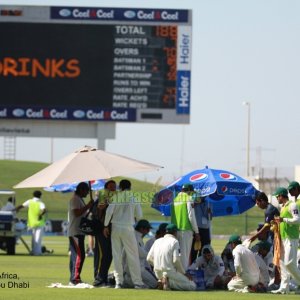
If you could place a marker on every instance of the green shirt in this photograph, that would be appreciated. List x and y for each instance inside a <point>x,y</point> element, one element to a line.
<point>298,204</point>
<point>34,212</point>
<point>179,212</point>
<point>288,231</point>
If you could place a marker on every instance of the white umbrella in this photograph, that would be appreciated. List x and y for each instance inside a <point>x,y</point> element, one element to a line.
<point>86,164</point>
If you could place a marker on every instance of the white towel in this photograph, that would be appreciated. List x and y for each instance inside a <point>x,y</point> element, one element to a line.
<point>77,286</point>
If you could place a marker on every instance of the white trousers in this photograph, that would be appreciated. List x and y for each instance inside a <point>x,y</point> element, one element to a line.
<point>288,263</point>
<point>177,281</point>
<point>36,240</point>
<point>123,237</point>
<point>185,239</point>
<point>148,278</point>
<point>237,284</point>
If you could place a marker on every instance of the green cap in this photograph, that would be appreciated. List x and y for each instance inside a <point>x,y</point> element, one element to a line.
<point>171,228</point>
<point>235,238</point>
<point>264,245</point>
<point>281,191</point>
<point>293,185</point>
<point>188,187</point>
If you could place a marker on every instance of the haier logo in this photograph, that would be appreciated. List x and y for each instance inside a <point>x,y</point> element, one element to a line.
<point>129,14</point>
<point>65,13</point>
<point>184,49</point>
<point>183,92</point>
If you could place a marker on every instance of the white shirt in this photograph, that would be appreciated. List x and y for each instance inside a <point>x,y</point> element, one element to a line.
<point>8,207</point>
<point>165,253</point>
<point>142,251</point>
<point>73,227</point>
<point>150,243</point>
<point>122,209</point>
<point>263,270</point>
<point>27,202</point>
<point>211,268</point>
<point>245,263</point>
<point>192,216</point>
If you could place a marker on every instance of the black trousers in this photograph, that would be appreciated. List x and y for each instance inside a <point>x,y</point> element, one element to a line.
<point>102,257</point>
<point>205,240</point>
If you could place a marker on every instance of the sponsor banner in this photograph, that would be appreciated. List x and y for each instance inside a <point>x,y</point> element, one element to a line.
<point>14,11</point>
<point>230,189</point>
<point>119,14</point>
<point>86,114</point>
<point>184,48</point>
<point>183,92</point>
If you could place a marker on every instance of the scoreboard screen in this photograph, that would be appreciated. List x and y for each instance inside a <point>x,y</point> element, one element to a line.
<point>95,64</point>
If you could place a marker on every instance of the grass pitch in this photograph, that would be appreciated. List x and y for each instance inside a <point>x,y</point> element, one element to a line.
<point>30,276</point>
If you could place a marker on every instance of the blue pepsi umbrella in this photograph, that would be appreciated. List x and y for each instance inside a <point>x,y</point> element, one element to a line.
<point>71,187</point>
<point>227,193</point>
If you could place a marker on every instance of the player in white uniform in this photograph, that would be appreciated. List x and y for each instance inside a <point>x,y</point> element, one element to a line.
<point>213,267</point>
<point>141,229</point>
<point>160,232</point>
<point>266,253</point>
<point>165,258</point>
<point>264,277</point>
<point>288,221</point>
<point>246,268</point>
<point>121,212</point>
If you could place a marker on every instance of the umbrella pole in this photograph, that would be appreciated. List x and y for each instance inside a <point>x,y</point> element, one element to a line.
<point>91,193</point>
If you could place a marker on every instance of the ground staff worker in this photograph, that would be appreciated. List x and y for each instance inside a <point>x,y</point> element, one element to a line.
<point>289,232</point>
<point>183,216</point>
<point>36,220</point>
<point>77,209</point>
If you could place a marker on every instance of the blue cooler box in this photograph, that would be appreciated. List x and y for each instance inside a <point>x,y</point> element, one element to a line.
<point>198,278</point>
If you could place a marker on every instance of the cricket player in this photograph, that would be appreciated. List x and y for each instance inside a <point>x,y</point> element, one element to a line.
<point>289,232</point>
<point>246,268</point>
<point>164,255</point>
<point>213,267</point>
<point>121,212</point>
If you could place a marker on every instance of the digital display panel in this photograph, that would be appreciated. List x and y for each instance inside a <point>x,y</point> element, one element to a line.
<point>95,64</point>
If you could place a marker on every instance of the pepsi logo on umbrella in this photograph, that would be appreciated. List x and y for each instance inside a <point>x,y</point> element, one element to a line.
<point>227,176</point>
<point>198,177</point>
